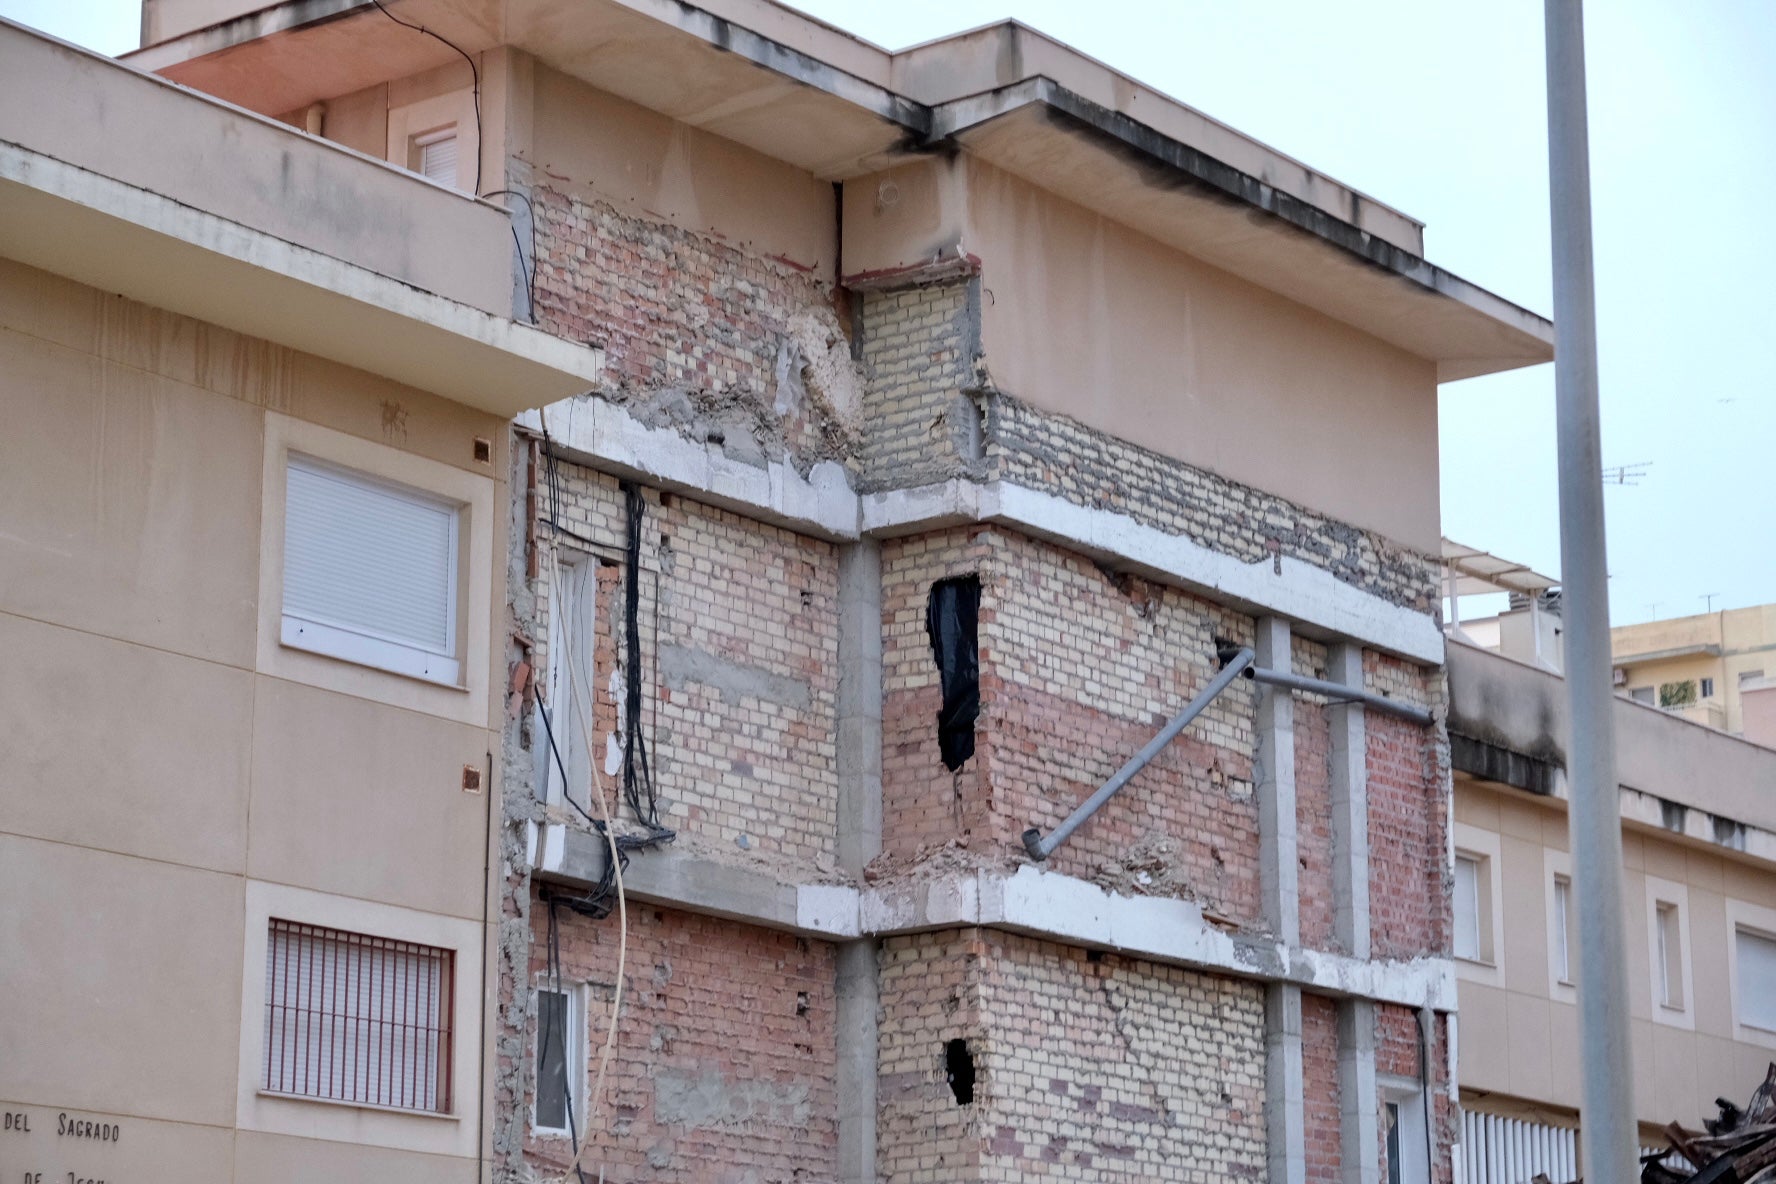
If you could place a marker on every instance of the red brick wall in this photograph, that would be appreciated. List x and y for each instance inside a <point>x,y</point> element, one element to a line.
<point>1087,1067</point>
<point>679,310</point>
<point>1319,1058</point>
<point>1408,806</point>
<point>1078,671</point>
<point>724,1057</point>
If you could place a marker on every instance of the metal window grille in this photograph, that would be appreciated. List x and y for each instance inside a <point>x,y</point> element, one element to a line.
<point>1498,1150</point>
<point>353,1018</point>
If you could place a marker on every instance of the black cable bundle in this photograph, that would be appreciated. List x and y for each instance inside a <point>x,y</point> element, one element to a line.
<point>638,777</point>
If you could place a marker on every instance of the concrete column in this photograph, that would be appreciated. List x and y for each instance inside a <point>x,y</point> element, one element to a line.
<point>1350,806</point>
<point>1279,860</point>
<point>1359,1105</point>
<point>1285,1101</point>
<point>856,989</point>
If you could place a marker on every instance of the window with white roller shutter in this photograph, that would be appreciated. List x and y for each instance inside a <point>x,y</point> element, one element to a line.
<point>370,571</point>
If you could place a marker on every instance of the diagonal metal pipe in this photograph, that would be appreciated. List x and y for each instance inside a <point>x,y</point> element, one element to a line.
<point>1041,848</point>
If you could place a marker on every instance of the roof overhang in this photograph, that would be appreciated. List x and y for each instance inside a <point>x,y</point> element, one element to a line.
<point>1478,572</point>
<point>792,88</point>
<point>118,238</point>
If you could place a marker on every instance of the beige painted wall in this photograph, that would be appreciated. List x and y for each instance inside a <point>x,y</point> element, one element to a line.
<point>156,773</point>
<point>1744,640</point>
<point>1085,317</point>
<point>603,148</point>
<point>1519,1032</point>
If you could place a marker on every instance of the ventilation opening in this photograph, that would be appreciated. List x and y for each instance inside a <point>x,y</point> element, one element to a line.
<point>959,1070</point>
<point>951,621</point>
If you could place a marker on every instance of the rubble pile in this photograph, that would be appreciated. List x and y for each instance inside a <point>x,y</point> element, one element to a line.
<point>1739,1147</point>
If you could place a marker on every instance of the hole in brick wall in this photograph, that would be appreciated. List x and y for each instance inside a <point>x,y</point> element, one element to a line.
<point>807,598</point>
<point>952,622</point>
<point>801,1003</point>
<point>1094,955</point>
<point>959,1070</point>
<point>665,500</point>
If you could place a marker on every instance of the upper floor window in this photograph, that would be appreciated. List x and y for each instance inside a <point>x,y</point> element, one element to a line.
<point>1563,962</point>
<point>354,1018</point>
<point>1471,893</point>
<point>370,571</point>
<point>1641,694</point>
<point>434,155</point>
<point>1756,958</point>
<point>1708,688</point>
<point>1669,954</point>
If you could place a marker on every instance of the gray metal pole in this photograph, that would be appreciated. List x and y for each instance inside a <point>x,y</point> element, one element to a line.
<point>1340,692</point>
<point>1607,1128</point>
<point>1041,848</point>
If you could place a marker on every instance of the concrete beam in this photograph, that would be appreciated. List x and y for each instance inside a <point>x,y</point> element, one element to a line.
<point>605,436</point>
<point>1279,859</point>
<point>1320,605</point>
<point>1350,806</point>
<point>857,990</point>
<point>685,880</point>
<point>1285,1089</point>
<point>1359,1103</point>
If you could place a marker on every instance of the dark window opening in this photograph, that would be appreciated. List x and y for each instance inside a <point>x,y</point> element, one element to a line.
<point>951,621</point>
<point>959,1070</point>
<point>552,1037</point>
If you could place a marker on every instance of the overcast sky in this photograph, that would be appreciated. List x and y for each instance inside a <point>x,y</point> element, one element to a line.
<point>1436,108</point>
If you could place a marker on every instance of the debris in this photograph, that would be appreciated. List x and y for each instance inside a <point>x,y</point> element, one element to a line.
<point>1739,1147</point>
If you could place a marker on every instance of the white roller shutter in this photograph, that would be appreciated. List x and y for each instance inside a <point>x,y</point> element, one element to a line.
<point>370,571</point>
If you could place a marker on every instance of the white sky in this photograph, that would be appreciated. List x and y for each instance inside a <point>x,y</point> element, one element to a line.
<point>1436,107</point>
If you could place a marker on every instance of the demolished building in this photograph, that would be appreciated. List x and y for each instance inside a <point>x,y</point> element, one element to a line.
<point>897,442</point>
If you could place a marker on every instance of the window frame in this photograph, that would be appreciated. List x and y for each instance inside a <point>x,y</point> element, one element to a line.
<point>574,1061</point>
<point>1668,898</point>
<point>1406,1099</point>
<point>578,600</point>
<point>442,1002</point>
<point>418,142</point>
<point>469,485</point>
<point>1761,923</point>
<point>1485,847</point>
<point>360,644</point>
<point>453,1134</point>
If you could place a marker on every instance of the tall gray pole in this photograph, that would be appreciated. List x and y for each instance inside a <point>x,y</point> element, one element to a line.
<point>1607,1127</point>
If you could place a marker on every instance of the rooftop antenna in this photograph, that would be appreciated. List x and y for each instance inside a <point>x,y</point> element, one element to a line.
<point>1708,599</point>
<point>1626,474</point>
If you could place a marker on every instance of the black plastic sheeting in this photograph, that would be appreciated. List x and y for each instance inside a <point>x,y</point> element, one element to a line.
<point>951,620</point>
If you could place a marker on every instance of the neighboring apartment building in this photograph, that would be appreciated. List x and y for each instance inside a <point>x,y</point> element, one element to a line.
<point>252,487</point>
<point>1700,667</point>
<point>1699,896</point>
<point>964,410</point>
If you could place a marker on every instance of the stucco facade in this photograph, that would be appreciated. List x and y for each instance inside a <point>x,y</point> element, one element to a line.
<point>793,396</point>
<point>1698,889</point>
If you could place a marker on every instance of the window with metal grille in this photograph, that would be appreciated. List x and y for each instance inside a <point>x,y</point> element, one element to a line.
<point>353,1018</point>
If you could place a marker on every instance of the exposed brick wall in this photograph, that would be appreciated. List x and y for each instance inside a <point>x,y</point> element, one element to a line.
<point>1319,1065</point>
<point>1091,468</point>
<point>739,633</point>
<point>1408,780</point>
<point>1313,800</point>
<point>1088,1068</point>
<point>919,348</point>
<point>698,333</point>
<point>1077,672</point>
<point>1397,1055</point>
<point>723,1067</point>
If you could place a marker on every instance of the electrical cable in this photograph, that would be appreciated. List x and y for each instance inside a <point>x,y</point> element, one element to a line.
<point>474,73</point>
<point>527,274</point>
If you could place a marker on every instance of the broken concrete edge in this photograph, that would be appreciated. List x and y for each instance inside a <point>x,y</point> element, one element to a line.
<point>595,432</point>
<point>1325,608</point>
<point>1040,904</point>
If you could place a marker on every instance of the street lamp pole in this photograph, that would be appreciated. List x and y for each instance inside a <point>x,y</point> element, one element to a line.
<point>1608,1134</point>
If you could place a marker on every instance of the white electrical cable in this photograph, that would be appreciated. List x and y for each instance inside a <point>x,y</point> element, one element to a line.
<point>561,649</point>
